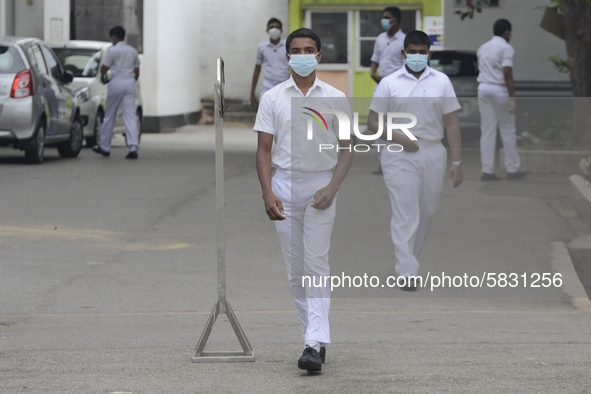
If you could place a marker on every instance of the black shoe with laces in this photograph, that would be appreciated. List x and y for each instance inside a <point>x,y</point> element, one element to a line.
<point>410,284</point>
<point>515,175</point>
<point>310,360</point>
<point>486,177</point>
<point>323,353</point>
<point>131,155</point>
<point>97,149</point>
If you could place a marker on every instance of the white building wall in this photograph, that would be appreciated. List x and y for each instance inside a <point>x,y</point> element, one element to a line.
<point>232,29</point>
<point>533,45</point>
<point>56,20</point>
<point>28,18</point>
<point>169,73</point>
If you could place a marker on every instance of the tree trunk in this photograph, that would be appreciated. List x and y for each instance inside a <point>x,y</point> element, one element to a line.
<point>577,37</point>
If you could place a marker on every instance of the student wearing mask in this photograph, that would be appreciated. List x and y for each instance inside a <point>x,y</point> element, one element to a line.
<point>270,55</point>
<point>301,197</point>
<point>414,176</point>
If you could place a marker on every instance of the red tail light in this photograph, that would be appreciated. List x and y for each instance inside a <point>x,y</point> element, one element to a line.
<point>22,85</point>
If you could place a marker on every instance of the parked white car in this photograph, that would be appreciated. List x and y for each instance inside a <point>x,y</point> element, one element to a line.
<point>84,59</point>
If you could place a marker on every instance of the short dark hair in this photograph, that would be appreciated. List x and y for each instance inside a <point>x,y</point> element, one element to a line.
<point>305,33</point>
<point>275,20</point>
<point>117,31</point>
<point>501,26</point>
<point>417,37</point>
<point>395,11</point>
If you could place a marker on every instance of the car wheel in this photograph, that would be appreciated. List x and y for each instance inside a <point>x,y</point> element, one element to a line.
<point>96,135</point>
<point>34,154</point>
<point>72,146</point>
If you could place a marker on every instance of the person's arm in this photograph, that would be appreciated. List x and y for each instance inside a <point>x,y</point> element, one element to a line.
<point>508,74</point>
<point>374,72</point>
<point>325,196</point>
<point>255,79</point>
<point>104,69</point>
<point>136,73</point>
<point>401,139</point>
<point>454,137</point>
<point>273,205</point>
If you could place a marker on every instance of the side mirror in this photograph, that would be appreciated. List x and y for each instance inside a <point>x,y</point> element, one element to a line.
<point>68,77</point>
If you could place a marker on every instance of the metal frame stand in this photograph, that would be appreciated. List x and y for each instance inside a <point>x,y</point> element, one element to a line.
<point>222,306</point>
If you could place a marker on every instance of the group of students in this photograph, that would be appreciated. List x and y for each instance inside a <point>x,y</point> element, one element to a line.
<point>301,196</point>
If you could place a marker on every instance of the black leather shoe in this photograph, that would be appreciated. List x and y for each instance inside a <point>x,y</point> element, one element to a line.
<point>310,360</point>
<point>489,177</point>
<point>131,155</point>
<point>410,285</point>
<point>97,149</point>
<point>515,175</point>
<point>323,353</point>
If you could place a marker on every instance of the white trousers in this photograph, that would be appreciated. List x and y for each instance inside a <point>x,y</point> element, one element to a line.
<point>495,105</point>
<point>414,182</point>
<point>120,91</point>
<point>305,241</point>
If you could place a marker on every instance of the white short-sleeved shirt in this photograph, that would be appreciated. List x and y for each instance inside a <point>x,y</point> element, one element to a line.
<point>272,58</point>
<point>122,59</point>
<point>431,97</point>
<point>387,53</point>
<point>492,57</point>
<point>292,151</point>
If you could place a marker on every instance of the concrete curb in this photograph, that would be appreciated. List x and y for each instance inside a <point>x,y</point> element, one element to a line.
<point>571,284</point>
<point>581,196</point>
<point>547,161</point>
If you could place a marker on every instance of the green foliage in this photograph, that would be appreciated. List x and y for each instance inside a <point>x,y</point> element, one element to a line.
<point>554,126</point>
<point>560,64</point>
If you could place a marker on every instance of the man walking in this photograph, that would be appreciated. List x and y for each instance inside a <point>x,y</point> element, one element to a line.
<point>387,57</point>
<point>123,62</point>
<point>270,55</point>
<point>414,176</point>
<point>496,101</point>
<point>301,197</point>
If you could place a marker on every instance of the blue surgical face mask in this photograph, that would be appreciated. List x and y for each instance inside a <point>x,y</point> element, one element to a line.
<point>386,24</point>
<point>417,62</point>
<point>112,41</point>
<point>303,65</point>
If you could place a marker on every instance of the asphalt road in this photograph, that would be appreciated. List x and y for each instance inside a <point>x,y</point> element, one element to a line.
<point>108,275</point>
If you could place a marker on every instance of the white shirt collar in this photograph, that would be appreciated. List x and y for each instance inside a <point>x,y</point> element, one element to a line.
<point>291,83</point>
<point>424,75</point>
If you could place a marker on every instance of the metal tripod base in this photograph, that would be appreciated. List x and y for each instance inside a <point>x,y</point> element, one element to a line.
<point>223,357</point>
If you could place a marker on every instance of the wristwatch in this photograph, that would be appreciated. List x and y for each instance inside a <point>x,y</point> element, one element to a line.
<point>456,163</point>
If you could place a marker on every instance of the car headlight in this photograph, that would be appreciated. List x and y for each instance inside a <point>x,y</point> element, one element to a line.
<point>83,94</point>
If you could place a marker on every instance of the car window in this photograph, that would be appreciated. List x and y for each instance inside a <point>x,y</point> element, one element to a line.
<point>52,63</point>
<point>36,58</point>
<point>10,60</point>
<point>455,64</point>
<point>82,62</point>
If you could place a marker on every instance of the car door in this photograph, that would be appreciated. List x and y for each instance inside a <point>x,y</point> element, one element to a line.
<point>45,87</point>
<point>62,92</point>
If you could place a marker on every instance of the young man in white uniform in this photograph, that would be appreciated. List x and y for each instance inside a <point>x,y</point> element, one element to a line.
<point>414,177</point>
<point>301,196</point>
<point>496,100</point>
<point>124,64</point>
<point>386,57</point>
<point>270,54</point>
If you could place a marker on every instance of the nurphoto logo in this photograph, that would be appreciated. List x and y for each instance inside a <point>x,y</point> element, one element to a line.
<point>344,133</point>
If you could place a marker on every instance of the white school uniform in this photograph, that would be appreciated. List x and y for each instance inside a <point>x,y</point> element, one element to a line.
<point>301,170</point>
<point>275,67</point>
<point>387,53</point>
<point>494,104</point>
<point>121,59</point>
<point>415,180</point>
